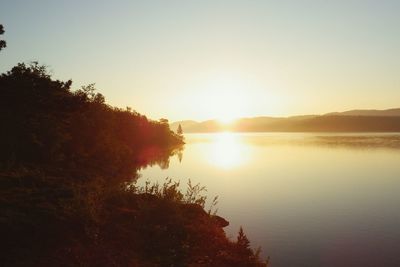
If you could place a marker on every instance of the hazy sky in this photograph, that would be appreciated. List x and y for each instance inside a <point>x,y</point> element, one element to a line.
<point>205,59</point>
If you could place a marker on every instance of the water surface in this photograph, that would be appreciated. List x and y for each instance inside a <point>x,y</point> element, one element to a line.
<point>306,199</point>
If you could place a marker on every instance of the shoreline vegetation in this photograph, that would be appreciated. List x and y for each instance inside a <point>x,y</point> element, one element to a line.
<point>68,197</point>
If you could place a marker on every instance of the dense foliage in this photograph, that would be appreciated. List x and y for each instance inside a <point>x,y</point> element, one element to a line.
<point>2,42</point>
<point>44,122</point>
<point>67,193</point>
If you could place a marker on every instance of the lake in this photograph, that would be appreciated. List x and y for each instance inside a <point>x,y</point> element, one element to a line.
<point>307,199</point>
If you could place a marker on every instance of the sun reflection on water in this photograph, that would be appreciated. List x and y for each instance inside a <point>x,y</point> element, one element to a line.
<point>228,151</point>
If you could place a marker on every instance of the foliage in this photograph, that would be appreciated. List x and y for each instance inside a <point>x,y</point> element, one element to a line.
<point>2,42</point>
<point>45,122</point>
<point>242,240</point>
<point>68,162</point>
<point>169,190</point>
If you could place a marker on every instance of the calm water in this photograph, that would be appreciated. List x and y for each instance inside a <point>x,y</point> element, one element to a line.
<point>306,199</point>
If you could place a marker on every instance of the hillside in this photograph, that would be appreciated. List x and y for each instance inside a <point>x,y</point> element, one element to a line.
<point>349,121</point>
<point>368,112</point>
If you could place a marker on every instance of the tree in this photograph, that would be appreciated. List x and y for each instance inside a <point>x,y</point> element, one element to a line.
<point>2,42</point>
<point>242,240</point>
<point>164,121</point>
<point>179,131</point>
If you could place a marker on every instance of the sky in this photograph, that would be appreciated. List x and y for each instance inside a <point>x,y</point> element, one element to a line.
<point>215,59</point>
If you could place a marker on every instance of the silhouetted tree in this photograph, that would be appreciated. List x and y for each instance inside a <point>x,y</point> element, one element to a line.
<point>242,240</point>
<point>179,131</point>
<point>2,42</point>
<point>163,121</point>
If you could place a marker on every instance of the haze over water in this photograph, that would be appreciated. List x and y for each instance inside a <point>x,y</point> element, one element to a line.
<point>306,199</point>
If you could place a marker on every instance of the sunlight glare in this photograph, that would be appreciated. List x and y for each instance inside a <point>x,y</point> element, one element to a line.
<point>226,119</point>
<point>223,97</point>
<point>228,151</point>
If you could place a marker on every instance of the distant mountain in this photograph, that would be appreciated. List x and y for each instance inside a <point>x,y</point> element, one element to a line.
<point>349,121</point>
<point>368,112</point>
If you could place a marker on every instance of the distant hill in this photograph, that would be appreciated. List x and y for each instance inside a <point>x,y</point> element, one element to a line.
<point>349,121</point>
<point>368,112</point>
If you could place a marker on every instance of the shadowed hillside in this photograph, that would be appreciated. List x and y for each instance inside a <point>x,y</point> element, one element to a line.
<point>352,121</point>
<point>369,112</point>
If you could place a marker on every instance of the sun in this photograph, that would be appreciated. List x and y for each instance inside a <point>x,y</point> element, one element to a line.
<point>226,120</point>
<point>224,98</point>
<point>229,111</point>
